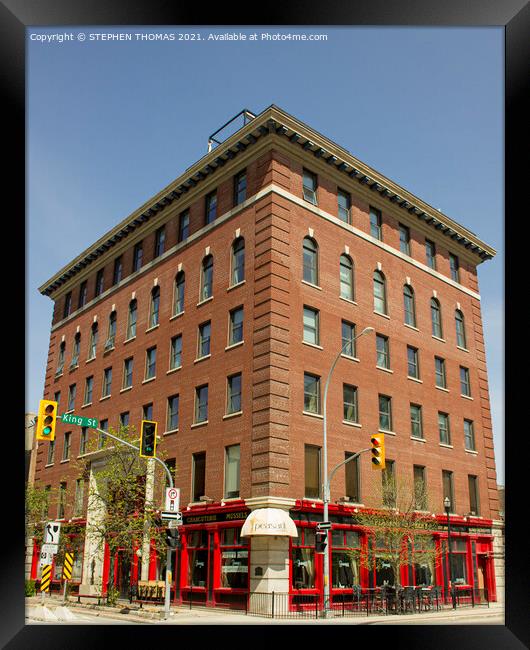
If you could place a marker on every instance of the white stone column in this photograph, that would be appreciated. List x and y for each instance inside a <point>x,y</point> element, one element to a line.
<point>498,558</point>
<point>149,493</point>
<point>94,549</point>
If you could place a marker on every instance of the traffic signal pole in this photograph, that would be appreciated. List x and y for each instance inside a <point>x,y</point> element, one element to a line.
<point>168,552</point>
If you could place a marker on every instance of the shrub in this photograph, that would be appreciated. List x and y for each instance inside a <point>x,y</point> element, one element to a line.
<point>29,588</point>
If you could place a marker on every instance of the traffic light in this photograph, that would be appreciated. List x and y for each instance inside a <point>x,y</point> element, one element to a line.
<point>378,451</point>
<point>321,540</point>
<point>148,439</point>
<point>172,537</point>
<point>45,422</point>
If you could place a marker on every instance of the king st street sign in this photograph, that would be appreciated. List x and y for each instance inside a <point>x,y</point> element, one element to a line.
<point>70,418</point>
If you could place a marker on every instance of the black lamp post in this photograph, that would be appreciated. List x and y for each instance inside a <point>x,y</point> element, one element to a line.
<point>447,507</point>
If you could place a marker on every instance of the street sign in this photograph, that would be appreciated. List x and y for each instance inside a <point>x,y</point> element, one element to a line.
<point>324,525</point>
<point>176,516</point>
<point>52,530</point>
<point>173,523</point>
<point>46,577</point>
<point>67,566</point>
<point>45,558</point>
<point>172,499</point>
<point>50,548</point>
<point>70,418</point>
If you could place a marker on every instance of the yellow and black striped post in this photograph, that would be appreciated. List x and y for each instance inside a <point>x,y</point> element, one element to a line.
<point>45,578</point>
<point>67,570</point>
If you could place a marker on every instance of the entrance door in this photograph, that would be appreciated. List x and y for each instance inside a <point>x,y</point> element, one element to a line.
<point>123,574</point>
<point>481,572</point>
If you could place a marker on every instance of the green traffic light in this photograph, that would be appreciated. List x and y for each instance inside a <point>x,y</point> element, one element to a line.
<point>46,431</point>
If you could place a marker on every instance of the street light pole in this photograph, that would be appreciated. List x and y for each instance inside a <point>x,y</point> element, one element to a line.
<point>325,489</point>
<point>447,507</point>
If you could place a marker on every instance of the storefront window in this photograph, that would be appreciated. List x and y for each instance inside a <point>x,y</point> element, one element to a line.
<point>234,560</point>
<point>424,561</point>
<point>344,561</point>
<point>458,561</point>
<point>197,558</point>
<point>303,559</point>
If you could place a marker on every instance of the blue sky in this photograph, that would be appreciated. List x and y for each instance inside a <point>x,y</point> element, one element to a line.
<point>110,123</point>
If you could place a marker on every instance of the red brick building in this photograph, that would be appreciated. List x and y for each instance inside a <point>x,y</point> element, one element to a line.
<point>266,257</point>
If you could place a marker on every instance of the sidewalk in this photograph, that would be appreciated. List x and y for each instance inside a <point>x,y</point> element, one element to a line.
<point>201,615</point>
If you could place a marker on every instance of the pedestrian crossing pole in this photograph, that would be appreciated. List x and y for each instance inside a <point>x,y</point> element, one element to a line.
<point>67,571</point>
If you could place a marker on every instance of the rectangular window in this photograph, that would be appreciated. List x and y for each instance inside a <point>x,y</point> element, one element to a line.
<point>350,410</point>
<point>172,413</point>
<point>311,325</point>
<point>309,187</point>
<point>104,426</point>
<point>344,206</point>
<point>383,353</point>
<point>348,339</point>
<point>198,475</point>
<point>62,501</point>
<point>420,488</point>
<point>474,507</point>
<point>240,187</point>
<point>453,263</point>
<point>124,419</point>
<point>233,398</point>
<point>57,397</point>
<point>232,463</point>
<point>439,369</point>
<point>235,333</point>
<point>107,382</point>
<point>447,481</point>
<point>443,428</point>
<point>184,226</point>
<point>211,208</point>
<point>78,502</point>
<point>118,267</point>
<point>83,441</point>
<point>430,254</point>
<point>127,372</point>
<point>138,253</point>
<point>201,404</point>
<point>353,483</point>
<point>311,393</point>
<point>203,349</point>
<point>465,385</point>
<point>404,239</point>
<point>66,445</point>
<point>99,282</point>
<point>67,304</point>
<point>175,360</point>
<point>82,294</point>
<point>312,472</point>
<point>89,384</point>
<point>413,362</point>
<point>385,413</point>
<point>469,435</point>
<point>51,452</point>
<point>150,363</point>
<point>147,412</point>
<point>388,484</point>
<point>160,241</point>
<point>131,320</point>
<point>71,398</point>
<point>376,223</point>
<point>416,422</point>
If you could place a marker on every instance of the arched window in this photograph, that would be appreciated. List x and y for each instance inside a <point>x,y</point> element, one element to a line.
<point>436,318</point>
<point>379,292</point>
<point>131,320</point>
<point>310,260</point>
<point>238,261</point>
<point>346,277</point>
<point>75,351</point>
<point>60,359</point>
<point>109,343</point>
<point>180,282</point>
<point>410,309</point>
<point>206,278</point>
<point>460,329</point>
<point>154,307</point>
<point>93,341</point>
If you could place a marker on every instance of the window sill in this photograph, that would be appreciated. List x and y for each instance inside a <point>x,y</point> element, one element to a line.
<point>418,381</point>
<point>235,286</point>
<point>131,339</point>
<point>312,345</point>
<point>411,327</point>
<point>107,350</point>
<point>310,284</point>
<point>202,302</point>
<point>471,451</point>
<point>181,313</point>
<point>352,424</point>
<point>102,399</point>
<point>168,433</point>
<point>385,369</point>
<point>378,313</point>
<point>466,396</point>
<point>418,439</point>
<point>154,327</point>
<point>206,356</point>
<point>93,358</point>
<point>199,424</point>
<point>232,415</point>
<point>387,433</point>
<point>230,499</point>
<point>65,460</point>
<point>347,356</point>
<point>234,345</point>
<point>146,381</point>
<point>445,390</point>
<point>463,349</point>
<point>69,411</point>
<point>85,405</point>
<point>58,374</point>
<point>443,444</point>
<point>172,370</point>
<point>438,338</point>
<point>72,368</point>
<point>124,390</point>
<point>349,300</point>
<point>313,415</point>
<point>48,465</point>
